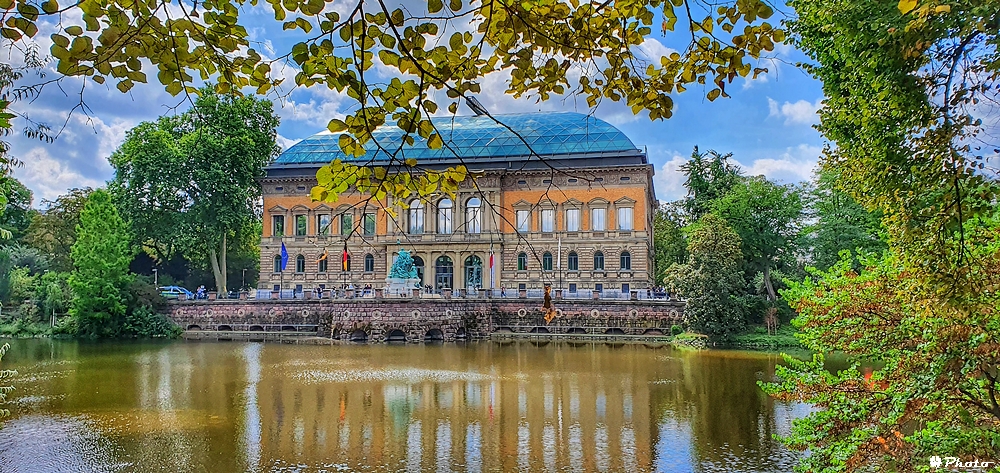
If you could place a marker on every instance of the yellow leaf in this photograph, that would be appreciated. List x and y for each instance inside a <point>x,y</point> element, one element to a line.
<point>411,162</point>
<point>906,6</point>
<point>943,9</point>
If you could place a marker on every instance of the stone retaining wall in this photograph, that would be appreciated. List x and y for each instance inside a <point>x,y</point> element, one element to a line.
<point>419,320</point>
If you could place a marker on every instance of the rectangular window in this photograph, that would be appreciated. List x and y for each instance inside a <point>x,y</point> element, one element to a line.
<point>523,220</point>
<point>301,225</point>
<point>278,225</point>
<point>598,219</point>
<point>625,218</point>
<point>573,220</point>
<point>548,220</point>
<point>369,224</point>
<point>572,287</point>
<point>323,224</point>
<point>346,224</point>
<point>599,287</point>
<point>522,286</point>
<point>625,289</point>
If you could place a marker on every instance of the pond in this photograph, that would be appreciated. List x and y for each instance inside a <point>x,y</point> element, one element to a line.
<point>228,407</point>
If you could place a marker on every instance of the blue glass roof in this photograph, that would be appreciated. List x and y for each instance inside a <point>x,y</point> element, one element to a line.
<point>478,138</point>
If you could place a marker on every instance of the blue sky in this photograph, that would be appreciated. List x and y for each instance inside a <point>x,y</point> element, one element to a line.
<point>767,124</point>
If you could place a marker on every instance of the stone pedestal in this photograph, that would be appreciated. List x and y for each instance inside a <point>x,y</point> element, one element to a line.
<point>275,294</point>
<point>212,295</point>
<point>350,293</point>
<point>522,294</point>
<point>378,293</point>
<point>634,296</point>
<point>596,295</point>
<point>446,293</point>
<point>244,295</point>
<point>559,294</point>
<point>415,293</point>
<point>182,297</point>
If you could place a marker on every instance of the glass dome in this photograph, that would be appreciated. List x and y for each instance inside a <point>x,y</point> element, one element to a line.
<point>479,138</point>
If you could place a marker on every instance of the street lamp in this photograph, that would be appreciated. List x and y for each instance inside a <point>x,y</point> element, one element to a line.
<point>155,278</point>
<point>243,282</point>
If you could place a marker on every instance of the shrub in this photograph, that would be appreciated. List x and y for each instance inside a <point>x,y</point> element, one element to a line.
<point>676,330</point>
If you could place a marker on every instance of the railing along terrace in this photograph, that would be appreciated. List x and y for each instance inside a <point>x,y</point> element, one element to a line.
<point>505,294</point>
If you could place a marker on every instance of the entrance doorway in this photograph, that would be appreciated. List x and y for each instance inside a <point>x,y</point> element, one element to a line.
<point>444,273</point>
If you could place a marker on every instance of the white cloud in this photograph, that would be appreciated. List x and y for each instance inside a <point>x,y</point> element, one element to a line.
<point>799,113</point>
<point>668,181</point>
<point>48,177</point>
<point>653,50</point>
<point>796,164</point>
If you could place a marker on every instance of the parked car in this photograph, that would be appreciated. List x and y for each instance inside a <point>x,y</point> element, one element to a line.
<point>174,292</point>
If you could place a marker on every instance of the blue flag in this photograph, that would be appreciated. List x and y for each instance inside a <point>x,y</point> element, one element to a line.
<point>284,256</point>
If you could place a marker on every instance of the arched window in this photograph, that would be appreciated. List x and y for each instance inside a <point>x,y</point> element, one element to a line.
<point>547,261</point>
<point>324,264</point>
<point>522,262</point>
<point>626,260</point>
<point>277,264</point>
<point>444,271</point>
<point>598,261</point>
<point>300,264</point>
<point>473,215</point>
<point>369,263</point>
<point>416,217</point>
<point>445,215</point>
<point>573,261</point>
<point>473,272</point>
<point>418,264</point>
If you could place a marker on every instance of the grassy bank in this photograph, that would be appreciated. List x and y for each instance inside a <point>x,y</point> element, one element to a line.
<point>758,339</point>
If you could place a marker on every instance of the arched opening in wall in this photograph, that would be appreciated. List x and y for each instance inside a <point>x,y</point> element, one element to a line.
<point>359,336</point>
<point>576,331</point>
<point>503,330</point>
<point>194,327</point>
<point>539,330</point>
<point>460,334</point>
<point>335,333</point>
<point>653,331</point>
<point>288,328</point>
<point>224,328</point>
<point>256,328</point>
<point>614,331</point>
<point>434,335</point>
<point>396,336</point>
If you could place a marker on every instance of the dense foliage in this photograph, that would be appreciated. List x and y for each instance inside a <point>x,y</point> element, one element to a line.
<point>711,280</point>
<point>100,274</point>
<point>904,84</point>
<point>188,184</point>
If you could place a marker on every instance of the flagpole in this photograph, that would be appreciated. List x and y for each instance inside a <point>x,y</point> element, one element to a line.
<point>559,261</point>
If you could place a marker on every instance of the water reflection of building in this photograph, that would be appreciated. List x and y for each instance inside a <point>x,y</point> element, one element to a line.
<point>512,420</point>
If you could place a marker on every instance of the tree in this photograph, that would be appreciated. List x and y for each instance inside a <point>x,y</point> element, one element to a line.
<point>53,231</point>
<point>710,280</point>
<point>766,216</point>
<point>840,223</point>
<point>190,182</point>
<point>669,242</point>
<point>904,83</point>
<point>100,276</point>
<point>710,176</point>
<point>17,215</point>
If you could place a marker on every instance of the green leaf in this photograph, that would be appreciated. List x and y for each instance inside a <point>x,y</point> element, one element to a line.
<point>434,6</point>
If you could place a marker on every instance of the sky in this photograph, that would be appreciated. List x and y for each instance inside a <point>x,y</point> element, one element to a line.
<point>767,123</point>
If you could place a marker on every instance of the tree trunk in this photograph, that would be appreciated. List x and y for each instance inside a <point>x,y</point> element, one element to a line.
<point>767,284</point>
<point>218,260</point>
<point>223,263</point>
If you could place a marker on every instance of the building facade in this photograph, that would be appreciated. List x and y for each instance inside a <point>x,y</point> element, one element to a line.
<point>563,199</point>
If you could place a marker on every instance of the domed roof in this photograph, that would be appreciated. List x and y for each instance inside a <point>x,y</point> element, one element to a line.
<point>480,139</point>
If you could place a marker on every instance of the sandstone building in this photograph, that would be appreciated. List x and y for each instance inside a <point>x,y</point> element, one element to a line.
<point>565,199</point>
